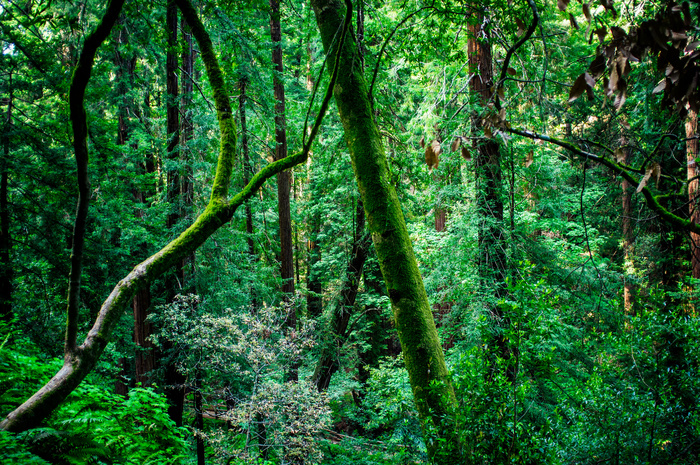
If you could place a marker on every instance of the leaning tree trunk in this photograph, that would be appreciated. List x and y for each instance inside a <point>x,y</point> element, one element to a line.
<point>327,363</point>
<point>430,381</point>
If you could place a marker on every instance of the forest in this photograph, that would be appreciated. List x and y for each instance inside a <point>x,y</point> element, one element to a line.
<point>349,232</point>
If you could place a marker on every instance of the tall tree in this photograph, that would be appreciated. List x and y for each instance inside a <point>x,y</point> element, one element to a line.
<point>5,243</point>
<point>691,134</point>
<point>174,380</point>
<point>487,162</point>
<point>284,179</point>
<point>430,381</point>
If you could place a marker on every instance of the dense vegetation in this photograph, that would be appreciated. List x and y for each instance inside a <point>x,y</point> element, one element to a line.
<point>349,232</point>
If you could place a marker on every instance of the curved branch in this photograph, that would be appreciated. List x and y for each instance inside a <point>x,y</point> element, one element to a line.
<point>515,47</point>
<point>386,42</point>
<point>78,118</point>
<point>653,201</point>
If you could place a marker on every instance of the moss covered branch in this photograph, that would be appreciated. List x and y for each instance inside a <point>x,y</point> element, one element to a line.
<point>653,201</point>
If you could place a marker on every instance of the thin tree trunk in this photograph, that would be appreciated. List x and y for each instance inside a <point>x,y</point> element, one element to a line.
<point>628,235</point>
<point>328,361</point>
<point>199,415</point>
<point>247,173</point>
<point>283,178</point>
<point>691,132</point>
<point>430,381</point>
<point>5,244</point>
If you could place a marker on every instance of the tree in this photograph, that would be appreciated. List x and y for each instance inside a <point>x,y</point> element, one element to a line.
<point>432,388</point>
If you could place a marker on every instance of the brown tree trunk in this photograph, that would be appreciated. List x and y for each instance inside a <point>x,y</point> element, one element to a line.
<point>328,361</point>
<point>283,178</point>
<point>691,132</point>
<point>247,165</point>
<point>5,244</point>
<point>174,380</point>
<point>487,161</point>
<point>628,236</point>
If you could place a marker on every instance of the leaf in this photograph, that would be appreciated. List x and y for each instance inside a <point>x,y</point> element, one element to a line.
<point>601,32</point>
<point>422,142</point>
<point>587,11</point>
<point>512,71</point>
<point>578,88</point>
<point>465,153</point>
<point>455,145</point>
<point>521,26</point>
<point>643,182</point>
<point>432,152</point>
<point>562,4</point>
<point>488,133</point>
<point>692,46</point>
<point>597,67</point>
<point>529,159</point>
<point>620,99</point>
<point>660,87</point>
<point>619,155</point>
<point>653,170</point>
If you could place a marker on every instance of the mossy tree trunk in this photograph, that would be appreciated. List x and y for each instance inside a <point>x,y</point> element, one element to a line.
<point>423,356</point>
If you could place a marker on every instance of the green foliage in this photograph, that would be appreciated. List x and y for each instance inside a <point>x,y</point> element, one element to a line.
<point>94,426</point>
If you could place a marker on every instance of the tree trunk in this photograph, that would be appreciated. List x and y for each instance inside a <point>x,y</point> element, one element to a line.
<point>691,132</point>
<point>628,236</point>
<point>173,379</point>
<point>430,381</point>
<point>283,178</point>
<point>5,244</point>
<point>489,201</point>
<point>328,361</point>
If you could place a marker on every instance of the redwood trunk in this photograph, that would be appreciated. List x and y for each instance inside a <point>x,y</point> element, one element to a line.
<point>5,244</point>
<point>283,178</point>
<point>487,161</point>
<point>691,131</point>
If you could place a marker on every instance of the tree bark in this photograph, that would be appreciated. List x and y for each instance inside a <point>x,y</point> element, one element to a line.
<point>430,381</point>
<point>283,178</point>
<point>328,361</point>
<point>173,379</point>
<point>628,235</point>
<point>6,273</point>
<point>691,132</point>
<point>493,268</point>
